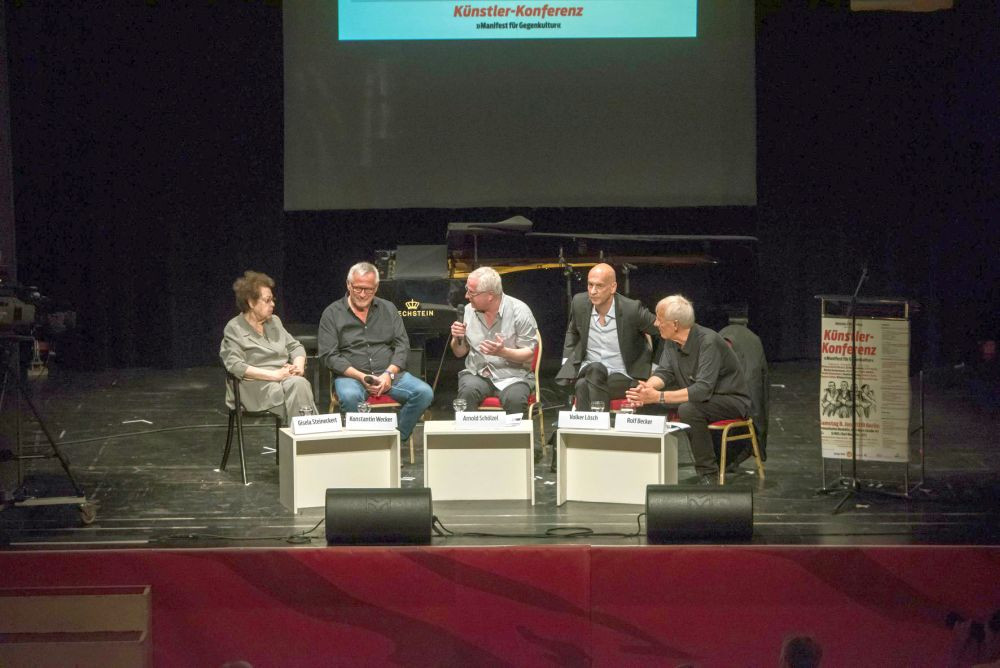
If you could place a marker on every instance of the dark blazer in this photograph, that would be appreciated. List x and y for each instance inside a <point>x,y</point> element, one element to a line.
<point>750,350</point>
<point>633,320</point>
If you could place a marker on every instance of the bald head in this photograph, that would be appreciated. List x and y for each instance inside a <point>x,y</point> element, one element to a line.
<point>601,286</point>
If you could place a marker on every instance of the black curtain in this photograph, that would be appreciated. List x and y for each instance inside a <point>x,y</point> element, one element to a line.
<point>147,150</point>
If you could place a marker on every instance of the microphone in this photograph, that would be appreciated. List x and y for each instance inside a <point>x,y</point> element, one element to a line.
<point>460,317</point>
<point>371,380</point>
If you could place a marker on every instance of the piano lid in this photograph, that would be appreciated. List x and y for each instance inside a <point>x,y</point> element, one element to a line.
<point>512,246</point>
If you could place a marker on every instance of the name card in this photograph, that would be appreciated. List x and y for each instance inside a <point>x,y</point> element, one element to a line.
<point>371,421</point>
<point>315,424</point>
<point>584,420</point>
<point>480,419</point>
<point>644,424</point>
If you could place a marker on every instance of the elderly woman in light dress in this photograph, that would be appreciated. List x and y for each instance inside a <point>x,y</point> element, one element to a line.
<point>258,350</point>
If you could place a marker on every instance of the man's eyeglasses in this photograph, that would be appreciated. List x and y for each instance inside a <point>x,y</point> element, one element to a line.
<point>472,293</point>
<point>361,291</point>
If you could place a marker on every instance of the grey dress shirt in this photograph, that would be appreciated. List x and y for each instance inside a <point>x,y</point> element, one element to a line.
<point>602,344</point>
<point>344,341</point>
<point>516,324</point>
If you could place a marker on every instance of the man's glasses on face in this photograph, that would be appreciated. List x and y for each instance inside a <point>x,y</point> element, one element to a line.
<point>361,290</point>
<point>473,293</point>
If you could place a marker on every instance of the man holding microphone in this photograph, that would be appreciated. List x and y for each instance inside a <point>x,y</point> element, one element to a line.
<point>496,336</point>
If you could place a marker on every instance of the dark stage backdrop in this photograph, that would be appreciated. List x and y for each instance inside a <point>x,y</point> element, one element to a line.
<point>147,154</point>
<point>573,122</point>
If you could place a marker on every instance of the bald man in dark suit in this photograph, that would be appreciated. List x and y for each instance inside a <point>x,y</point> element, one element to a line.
<point>606,349</point>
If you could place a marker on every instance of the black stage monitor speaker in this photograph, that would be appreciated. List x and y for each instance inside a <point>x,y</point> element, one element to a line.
<point>680,512</point>
<point>378,516</point>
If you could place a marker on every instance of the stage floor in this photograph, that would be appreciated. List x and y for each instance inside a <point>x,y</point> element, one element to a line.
<point>145,446</point>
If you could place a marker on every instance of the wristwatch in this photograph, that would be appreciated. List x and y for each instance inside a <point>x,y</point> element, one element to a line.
<point>392,376</point>
<point>661,398</point>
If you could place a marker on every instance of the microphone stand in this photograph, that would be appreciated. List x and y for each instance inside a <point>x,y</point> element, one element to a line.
<point>569,274</point>
<point>853,484</point>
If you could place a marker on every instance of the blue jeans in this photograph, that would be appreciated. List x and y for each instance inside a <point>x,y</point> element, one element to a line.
<point>414,394</point>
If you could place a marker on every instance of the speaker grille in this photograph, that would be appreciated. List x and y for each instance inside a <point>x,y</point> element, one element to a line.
<point>378,516</point>
<point>678,512</point>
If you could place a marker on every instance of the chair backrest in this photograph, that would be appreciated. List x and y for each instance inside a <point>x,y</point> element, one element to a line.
<point>536,360</point>
<point>234,383</point>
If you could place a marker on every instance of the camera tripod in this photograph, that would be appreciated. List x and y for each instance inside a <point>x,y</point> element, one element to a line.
<point>9,357</point>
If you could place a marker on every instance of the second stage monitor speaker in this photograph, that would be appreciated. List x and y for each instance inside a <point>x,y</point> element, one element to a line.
<point>678,512</point>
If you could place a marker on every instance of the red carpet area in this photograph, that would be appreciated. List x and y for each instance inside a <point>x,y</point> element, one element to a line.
<point>567,606</point>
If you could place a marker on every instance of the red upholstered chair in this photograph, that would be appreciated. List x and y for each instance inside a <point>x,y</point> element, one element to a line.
<point>744,430</point>
<point>376,403</point>
<point>493,403</point>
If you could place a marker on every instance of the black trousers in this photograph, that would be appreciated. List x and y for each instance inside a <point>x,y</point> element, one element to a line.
<point>595,384</point>
<point>699,415</point>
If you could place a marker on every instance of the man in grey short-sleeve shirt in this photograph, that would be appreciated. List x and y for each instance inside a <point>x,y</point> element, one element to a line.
<point>497,339</point>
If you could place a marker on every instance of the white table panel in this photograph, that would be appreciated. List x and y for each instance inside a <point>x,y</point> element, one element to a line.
<point>612,467</point>
<point>464,464</point>
<point>310,464</point>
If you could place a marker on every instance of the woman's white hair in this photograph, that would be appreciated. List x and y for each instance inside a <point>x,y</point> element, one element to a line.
<point>488,280</point>
<point>676,307</point>
<point>360,269</point>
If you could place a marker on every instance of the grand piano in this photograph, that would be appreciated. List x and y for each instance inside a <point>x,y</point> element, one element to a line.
<point>545,269</point>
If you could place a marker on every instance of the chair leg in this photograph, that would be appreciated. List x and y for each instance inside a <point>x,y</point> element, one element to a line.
<point>277,426</point>
<point>239,438</point>
<point>756,451</point>
<point>229,442</point>
<point>722,454</point>
<point>541,428</point>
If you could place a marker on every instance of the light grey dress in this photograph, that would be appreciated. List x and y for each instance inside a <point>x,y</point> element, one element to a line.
<point>243,347</point>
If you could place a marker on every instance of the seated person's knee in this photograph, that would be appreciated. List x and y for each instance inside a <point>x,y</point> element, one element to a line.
<point>423,395</point>
<point>687,412</point>
<point>299,384</point>
<point>350,394</point>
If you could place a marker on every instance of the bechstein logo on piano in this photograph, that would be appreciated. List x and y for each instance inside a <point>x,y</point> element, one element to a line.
<point>413,310</point>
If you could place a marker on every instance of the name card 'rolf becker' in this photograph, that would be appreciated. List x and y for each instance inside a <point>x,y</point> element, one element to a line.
<point>646,424</point>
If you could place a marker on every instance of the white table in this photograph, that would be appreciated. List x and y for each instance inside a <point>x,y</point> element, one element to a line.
<point>467,464</point>
<point>612,466</point>
<point>310,464</point>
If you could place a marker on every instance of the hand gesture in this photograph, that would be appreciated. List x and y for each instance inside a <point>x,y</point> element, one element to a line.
<point>492,346</point>
<point>381,387</point>
<point>642,394</point>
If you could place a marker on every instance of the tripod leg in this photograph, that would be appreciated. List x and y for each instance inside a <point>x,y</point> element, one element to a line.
<point>48,436</point>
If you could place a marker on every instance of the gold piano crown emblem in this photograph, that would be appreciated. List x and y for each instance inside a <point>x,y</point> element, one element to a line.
<point>412,304</point>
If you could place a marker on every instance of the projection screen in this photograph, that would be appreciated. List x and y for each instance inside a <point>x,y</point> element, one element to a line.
<point>442,122</point>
